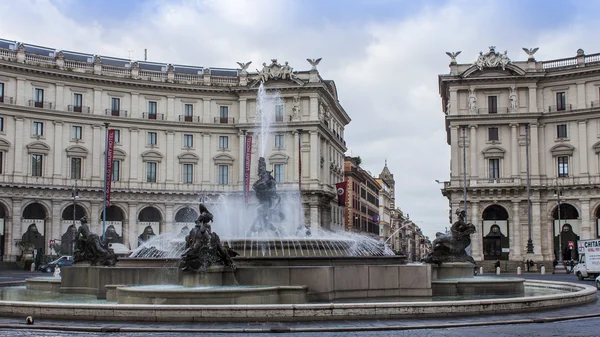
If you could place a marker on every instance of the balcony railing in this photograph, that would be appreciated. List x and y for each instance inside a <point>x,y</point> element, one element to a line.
<point>147,115</point>
<point>117,113</point>
<point>6,100</point>
<point>594,104</point>
<point>555,108</point>
<point>193,119</point>
<point>75,108</point>
<point>224,120</point>
<point>45,105</point>
<point>492,110</point>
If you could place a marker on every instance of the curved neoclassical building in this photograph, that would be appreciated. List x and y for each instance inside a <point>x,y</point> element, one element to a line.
<point>507,120</point>
<point>179,134</point>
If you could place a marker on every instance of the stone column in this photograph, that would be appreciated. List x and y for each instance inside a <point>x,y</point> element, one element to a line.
<point>542,151</point>
<point>533,99</point>
<point>206,111</point>
<point>514,150</point>
<point>515,233</point>
<point>583,149</point>
<point>243,110</point>
<point>54,228</point>
<point>454,149</point>
<point>135,101</point>
<point>168,222</point>
<point>536,227</point>
<point>534,150</point>
<point>587,231</point>
<point>581,96</point>
<point>133,227</point>
<point>314,156</point>
<point>21,99</point>
<point>98,150</point>
<point>296,157</point>
<point>20,134</point>
<point>314,108</point>
<point>13,230</point>
<point>477,237</point>
<point>58,149</point>
<point>98,102</point>
<point>170,152</point>
<point>134,156</point>
<point>170,115</point>
<point>473,148</point>
<point>95,220</point>
<point>242,153</point>
<point>453,102</point>
<point>59,97</point>
<point>206,158</point>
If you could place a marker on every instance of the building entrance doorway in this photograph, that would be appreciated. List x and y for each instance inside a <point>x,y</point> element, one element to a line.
<point>495,233</point>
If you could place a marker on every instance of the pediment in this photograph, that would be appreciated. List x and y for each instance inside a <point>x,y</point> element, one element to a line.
<point>4,145</point>
<point>77,151</point>
<point>119,154</point>
<point>223,159</point>
<point>278,158</point>
<point>152,155</point>
<point>494,152</point>
<point>509,70</point>
<point>562,150</point>
<point>38,147</point>
<point>188,157</point>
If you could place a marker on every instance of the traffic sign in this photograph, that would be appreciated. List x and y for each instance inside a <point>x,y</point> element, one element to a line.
<point>571,244</point>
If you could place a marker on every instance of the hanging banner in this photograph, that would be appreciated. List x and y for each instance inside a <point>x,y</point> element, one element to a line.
<point>247,160</point>
<point>341,193</point>
<point>109,163</point>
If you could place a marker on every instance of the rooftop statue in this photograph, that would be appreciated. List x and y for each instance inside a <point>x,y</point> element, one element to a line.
<point>89,247</point>
<point>275,71</point>
<point>492,60</point>
<point>203,246</point>
<point>451,247</point>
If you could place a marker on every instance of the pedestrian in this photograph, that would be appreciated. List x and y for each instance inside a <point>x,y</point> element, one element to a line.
<point>496,265</point>
<point>527,262</point>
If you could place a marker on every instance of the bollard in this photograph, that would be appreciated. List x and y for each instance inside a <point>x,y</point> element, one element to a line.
<point>32,267</point>
<point>497,270</point>
<point>480,270</point>
<point>518,270</point>
<point>543,270</point>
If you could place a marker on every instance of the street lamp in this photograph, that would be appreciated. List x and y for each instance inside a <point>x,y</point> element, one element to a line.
<point>558,193</point>
<point>75,196</point>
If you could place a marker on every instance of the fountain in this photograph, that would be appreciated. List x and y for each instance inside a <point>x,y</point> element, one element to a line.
<point>266,264</point>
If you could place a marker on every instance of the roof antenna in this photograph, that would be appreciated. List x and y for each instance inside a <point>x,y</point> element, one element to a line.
<point>130,51</point>
<point>145,54</point>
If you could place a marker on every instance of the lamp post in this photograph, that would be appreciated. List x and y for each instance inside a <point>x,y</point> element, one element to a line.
<point>464,139</point>
<point>560,252</point>
<point>75,196</point>
<point>106,124</point>
<point>529,241</point>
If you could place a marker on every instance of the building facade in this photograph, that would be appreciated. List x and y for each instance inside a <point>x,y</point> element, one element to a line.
<point>513,122</point>
<point>387,202</point>
<point>362,199</point>
<point>179,134</point>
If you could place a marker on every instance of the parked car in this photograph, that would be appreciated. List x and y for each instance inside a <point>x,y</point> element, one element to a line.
<point>598,282</point>
<point>61,262</point>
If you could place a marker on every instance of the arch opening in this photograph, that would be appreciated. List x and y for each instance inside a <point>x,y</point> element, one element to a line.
<point>495,232</point>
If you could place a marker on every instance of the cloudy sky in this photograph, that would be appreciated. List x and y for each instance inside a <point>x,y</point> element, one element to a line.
<point>384,55</point>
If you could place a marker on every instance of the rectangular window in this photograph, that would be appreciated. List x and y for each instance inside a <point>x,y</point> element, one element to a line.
<point>151,172</point>
<point>117,136</point>
<point>75,168</point>
<point>38,129</point>
<point>188,112</point>
<point>561,101</point>
<point>116,170</point>
<point>279,141</point>
<point>151,138</point>
<point>492,104</point>
<point>1,124</point>
<point>493,134</point>
<point>561,131</point>
<point>223,142</point>
<point>77,102</point>
<point>495,168</point>
<point>188,140</point>
<point>152,110</point>
<point>279,113</point>
<point>224,114</point>
<point>39,96</point>
<point>278,172</point>
<point>223,174</point>
<point>188,173</point>
<point>1,92</point>
<point>115,106</point>
<point>1,162</point>
<point>36,165</point>
<point>76,132</point>
<point>563,166</point>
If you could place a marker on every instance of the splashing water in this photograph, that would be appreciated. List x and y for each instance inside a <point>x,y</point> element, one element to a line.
<point>269,107</point>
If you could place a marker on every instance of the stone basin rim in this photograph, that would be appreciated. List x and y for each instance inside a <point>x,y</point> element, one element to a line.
<point>583,290</point>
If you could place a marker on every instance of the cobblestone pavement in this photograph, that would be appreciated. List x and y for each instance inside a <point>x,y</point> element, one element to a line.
<point>558,322</point>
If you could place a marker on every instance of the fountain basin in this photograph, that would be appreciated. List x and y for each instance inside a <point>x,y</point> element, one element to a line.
<point>561,294</point>
<point>43,283</point>
<point>157,294</point>
<point>478,286</point>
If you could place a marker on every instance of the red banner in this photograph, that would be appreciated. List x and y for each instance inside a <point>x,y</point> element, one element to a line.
<point>247,159</point>
<point>109,163</point>
<point>341,193</point>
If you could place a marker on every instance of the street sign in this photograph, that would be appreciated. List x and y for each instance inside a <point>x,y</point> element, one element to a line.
<point>571,244</point>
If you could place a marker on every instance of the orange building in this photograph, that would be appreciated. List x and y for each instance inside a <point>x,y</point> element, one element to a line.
<point>362,199</point>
